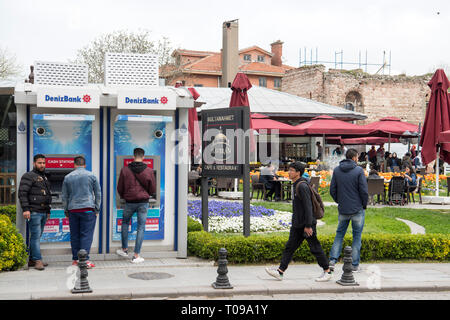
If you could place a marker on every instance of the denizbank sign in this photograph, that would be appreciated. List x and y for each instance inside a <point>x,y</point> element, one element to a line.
<point>68,98</point>
<point>146,99</point>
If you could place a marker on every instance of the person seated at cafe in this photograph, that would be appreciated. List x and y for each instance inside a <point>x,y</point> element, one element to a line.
<point>410,179</point>
<point>319,166</point>
<point>407,161</point>
<point>417,161</point>
<point>271,183</point>
<point>362,157</point>
<point>373,174</point>
<point>393,161</point>
<point>337,151</point>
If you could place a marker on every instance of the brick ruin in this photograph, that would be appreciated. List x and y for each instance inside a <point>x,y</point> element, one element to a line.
<point>377,96</point>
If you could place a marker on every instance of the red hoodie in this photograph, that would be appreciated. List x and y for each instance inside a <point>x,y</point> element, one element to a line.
<point>133,190</point>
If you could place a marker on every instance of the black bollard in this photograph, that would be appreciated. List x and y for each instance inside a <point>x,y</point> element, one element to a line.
<point>222,281</point>
<point>347,278</point>
<point>82,284</point>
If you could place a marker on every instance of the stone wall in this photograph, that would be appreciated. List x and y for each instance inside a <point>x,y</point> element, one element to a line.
<point>377,96</point>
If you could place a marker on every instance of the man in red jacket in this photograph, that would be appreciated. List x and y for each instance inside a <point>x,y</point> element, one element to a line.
<point>136,184</point>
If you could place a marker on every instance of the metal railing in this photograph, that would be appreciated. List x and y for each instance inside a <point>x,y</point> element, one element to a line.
<point>8,188</point>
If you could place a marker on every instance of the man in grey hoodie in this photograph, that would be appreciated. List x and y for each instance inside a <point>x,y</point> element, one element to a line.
<point>349,190</point>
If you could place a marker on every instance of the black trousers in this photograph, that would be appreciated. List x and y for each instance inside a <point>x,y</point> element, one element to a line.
<point>296,237</point>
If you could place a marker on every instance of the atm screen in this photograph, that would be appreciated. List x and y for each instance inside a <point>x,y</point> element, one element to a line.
<point>56,168</point>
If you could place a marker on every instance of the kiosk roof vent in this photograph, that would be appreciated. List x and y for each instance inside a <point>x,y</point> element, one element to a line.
<point>60,74</point>
<point>131,69</point>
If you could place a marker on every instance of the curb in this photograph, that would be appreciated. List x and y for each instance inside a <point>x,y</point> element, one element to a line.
<point>205,291</point>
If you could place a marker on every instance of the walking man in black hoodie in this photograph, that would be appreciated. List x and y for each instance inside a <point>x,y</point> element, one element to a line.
<point>303,226</point>
<point>349,190</point>
<point>136,184</point>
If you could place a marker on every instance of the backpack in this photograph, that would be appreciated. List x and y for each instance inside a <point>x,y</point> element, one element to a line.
<point>316,199</point>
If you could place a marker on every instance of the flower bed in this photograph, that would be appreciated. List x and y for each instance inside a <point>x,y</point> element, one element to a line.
<point>226,217</point>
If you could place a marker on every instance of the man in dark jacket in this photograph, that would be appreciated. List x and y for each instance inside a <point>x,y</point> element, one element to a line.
<point>35,199</point>
<point>303,226</point>
<point>349,189</point>
<point>136,184</point>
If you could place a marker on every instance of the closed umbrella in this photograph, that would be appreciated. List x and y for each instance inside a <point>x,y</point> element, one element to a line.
<point>239,98</point>
<point>193,127</point>
<point>437,120</point>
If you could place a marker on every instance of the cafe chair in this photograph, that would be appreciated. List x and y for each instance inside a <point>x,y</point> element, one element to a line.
<point>257,186</point>
<point>376,188</point>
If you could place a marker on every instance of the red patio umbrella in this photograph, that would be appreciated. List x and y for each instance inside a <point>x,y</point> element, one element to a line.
<point>392,126</point>
<point>269,125</point>
<point>437,120</point>
<point>444,136</point>
<point>361,141</point>
<point>327,125</point>
<point>239,98</point>
<point>195,140</point>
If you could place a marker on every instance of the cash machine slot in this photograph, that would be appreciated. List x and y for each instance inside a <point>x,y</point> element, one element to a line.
<point>56,169</point>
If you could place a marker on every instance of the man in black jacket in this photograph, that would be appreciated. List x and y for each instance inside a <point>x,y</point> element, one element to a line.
<point>349,190</point>
<point>35,199</point>
<point>303,226</point>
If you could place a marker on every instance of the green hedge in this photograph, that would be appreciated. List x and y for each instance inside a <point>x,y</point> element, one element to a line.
<point>9,211</point>
<point>193,225</point>
<point>13,254</point>
<point>261,249</point>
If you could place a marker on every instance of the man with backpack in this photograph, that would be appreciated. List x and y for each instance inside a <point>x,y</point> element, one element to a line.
<point>349,190</point>
<point>136,184</point>
<point>307,206</point>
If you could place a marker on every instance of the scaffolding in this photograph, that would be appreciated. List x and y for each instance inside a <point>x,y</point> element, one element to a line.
<point>339,61</point>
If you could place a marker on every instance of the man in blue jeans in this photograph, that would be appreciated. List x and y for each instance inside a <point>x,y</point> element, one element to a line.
<point>35,199</point>
<point>349,189</point>
<point>81,196</point>
<point>136,185</point>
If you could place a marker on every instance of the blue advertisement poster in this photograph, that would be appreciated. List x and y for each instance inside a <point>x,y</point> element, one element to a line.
<point>60,138</point>
<point>148,133</point>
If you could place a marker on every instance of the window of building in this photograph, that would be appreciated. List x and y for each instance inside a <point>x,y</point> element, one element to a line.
<point>198,85</point>
<point>260,58</point>
<point>349,106</point>
<point>247,57</point>
<point>277,83</point>
<point>262,82</point>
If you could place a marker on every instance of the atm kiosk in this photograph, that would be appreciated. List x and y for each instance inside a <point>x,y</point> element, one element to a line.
<point>104,123</point>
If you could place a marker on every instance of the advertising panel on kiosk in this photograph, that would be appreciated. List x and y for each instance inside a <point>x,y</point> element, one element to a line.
<point>149,133</point>
<point>60,138</point>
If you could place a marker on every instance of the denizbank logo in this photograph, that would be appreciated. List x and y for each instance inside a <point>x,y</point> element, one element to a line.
<point>70,97</point>
<point>86,98</point>
<point>144,100</point>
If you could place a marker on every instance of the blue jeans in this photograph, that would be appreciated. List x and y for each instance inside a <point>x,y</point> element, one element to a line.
<point>82,225</point>
<point>128,211</point>
<point>36,226</point>
<point>357,228</point>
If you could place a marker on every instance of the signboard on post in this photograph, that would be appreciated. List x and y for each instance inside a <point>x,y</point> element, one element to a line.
<point>225,153</point>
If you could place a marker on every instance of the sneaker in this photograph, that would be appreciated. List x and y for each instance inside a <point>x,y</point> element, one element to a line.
<point>274,273</point>
<point>325,276</point>
<point>332,264</point>
<point>75,263</point>
<point>122,253</point>
<point>356,269</point>
<point>90,265</point>
<point>139,259</point>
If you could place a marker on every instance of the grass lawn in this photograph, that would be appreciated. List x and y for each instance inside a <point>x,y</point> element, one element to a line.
<point>381,220</point>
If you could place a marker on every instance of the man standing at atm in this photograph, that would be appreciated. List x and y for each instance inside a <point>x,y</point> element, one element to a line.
<point>35,199</point>
<point>136,184</point>
<point>81,197</point>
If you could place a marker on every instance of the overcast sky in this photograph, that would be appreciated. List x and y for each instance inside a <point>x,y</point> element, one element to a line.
<point>415,32</point>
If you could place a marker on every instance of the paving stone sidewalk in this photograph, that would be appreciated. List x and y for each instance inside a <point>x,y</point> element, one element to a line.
<point>171,278</point>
